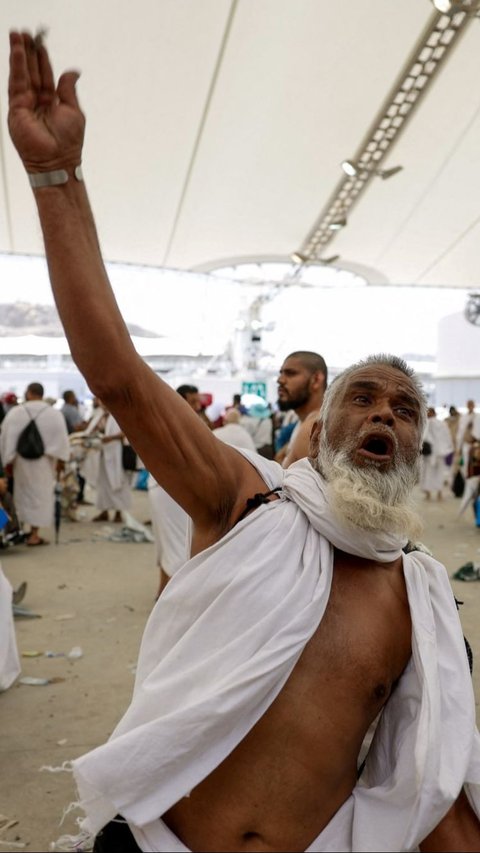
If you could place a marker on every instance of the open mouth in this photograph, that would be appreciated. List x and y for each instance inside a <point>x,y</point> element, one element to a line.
<point>378,447</point>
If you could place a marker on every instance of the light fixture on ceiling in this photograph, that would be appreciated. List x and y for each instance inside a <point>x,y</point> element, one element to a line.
<point>298,258</point>
<point>432,51</point>
<point>353,169</point>
<point>451,7</point>
<point>338,223</point>
<point>349,168</point>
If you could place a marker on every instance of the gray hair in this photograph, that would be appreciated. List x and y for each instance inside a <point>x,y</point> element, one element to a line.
<point>338,384</point>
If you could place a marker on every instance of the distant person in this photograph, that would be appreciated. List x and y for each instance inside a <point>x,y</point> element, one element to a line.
<point>233,433</point>
<point>191,394</point>
<point>7,400</point>
<point>437,446</point>
<point>71,412</point>
<point>34,479</point>
<point>452,421</point>
<point>114,488</point>
<point>170,523</point>
<point>90,446</point>
<point>238,405</point>
<point>9,657</point>
<point>468,432</point>
<point>259,424</point>
<point>284,423</point>
<point>302,381</point>
<point>75,423</point>
<point>10,529</point>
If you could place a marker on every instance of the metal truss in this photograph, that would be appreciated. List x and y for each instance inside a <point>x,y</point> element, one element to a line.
<point>437,41</point>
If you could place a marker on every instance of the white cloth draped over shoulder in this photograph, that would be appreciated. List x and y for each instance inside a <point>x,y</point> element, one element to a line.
<point>34,479</point>
<point>231,625</point>
<point>114,490</point>
<point>9,659</point>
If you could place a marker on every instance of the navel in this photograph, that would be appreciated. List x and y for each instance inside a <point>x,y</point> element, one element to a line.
<point>251,836</point>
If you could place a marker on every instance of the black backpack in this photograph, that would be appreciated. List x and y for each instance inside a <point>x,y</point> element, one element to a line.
<point>30,443</point>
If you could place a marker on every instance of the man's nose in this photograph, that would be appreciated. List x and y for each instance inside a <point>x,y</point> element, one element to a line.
<point>382,414</point>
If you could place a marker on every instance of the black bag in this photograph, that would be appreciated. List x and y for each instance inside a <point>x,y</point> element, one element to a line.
<point>458,485</point>
<point>426,448</point>
<point>30,443</point>
<point>129,458</point>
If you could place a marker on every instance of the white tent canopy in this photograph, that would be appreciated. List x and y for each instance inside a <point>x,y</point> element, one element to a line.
<point>216,129</point>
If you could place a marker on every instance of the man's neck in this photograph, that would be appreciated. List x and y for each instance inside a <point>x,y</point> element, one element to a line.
<point>312,405</point>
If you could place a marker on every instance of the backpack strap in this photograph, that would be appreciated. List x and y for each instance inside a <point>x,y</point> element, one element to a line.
<point>34,417</point>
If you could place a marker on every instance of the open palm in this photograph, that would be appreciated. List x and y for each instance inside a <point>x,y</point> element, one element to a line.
<point>45,122</point>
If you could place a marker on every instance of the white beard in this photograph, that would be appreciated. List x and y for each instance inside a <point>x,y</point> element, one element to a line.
<point>367,497</point>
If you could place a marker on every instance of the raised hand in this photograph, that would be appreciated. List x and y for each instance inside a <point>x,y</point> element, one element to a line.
<point>46,123</point>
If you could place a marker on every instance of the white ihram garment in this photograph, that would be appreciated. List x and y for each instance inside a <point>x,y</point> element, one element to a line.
<point>170,529</point>
<point>114,490</point>
<point>91,459</point>
<point>9,660</point>
<point>34,479</point>
<point>434,469</point>
<point>468,428</point>
<point>231,625</point>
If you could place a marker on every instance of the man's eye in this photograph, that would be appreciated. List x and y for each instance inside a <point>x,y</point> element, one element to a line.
<point>361,398</point>
<point>405,412</point>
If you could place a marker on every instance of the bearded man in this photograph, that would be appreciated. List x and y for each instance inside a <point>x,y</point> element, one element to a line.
<point>302,380</point>
<point>299,619</point>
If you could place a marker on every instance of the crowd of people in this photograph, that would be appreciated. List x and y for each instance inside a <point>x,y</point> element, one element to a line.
<point>451,453</point>
<point>304,612</point>
<point>88,450</point>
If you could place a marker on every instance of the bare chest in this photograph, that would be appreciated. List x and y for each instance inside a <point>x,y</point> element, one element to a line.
<point>363,642</point>
<point>281,785</point>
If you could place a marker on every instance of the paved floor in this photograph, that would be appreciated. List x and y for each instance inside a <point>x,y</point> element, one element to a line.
<point>97,594</point>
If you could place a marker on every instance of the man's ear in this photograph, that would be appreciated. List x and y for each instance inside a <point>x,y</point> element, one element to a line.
<point>315,438</point>
<point>317,380</point>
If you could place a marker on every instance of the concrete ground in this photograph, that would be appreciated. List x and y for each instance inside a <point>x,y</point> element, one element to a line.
<point>97,594</point>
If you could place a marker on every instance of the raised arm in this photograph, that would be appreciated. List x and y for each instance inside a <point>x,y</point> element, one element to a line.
<point>209,479</point>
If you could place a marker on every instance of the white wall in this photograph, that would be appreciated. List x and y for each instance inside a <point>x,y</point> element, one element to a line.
<point>458,361</point>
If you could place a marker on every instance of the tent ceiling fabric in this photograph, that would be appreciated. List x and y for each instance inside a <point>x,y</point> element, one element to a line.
<point>216,129</point>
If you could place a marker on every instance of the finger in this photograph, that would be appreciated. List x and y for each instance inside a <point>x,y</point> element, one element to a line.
<point>66,88</point>
<point>47,80</point>
<point>32,60</point>
<point>18,82</point>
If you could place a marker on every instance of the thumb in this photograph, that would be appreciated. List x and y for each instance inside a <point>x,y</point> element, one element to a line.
<point>66,88</point>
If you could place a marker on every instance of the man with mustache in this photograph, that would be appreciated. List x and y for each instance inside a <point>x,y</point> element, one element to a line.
<point>302,380</point>
<point>300,616</point>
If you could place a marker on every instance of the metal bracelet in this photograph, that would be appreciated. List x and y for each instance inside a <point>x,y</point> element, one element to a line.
<point>52,179</point>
